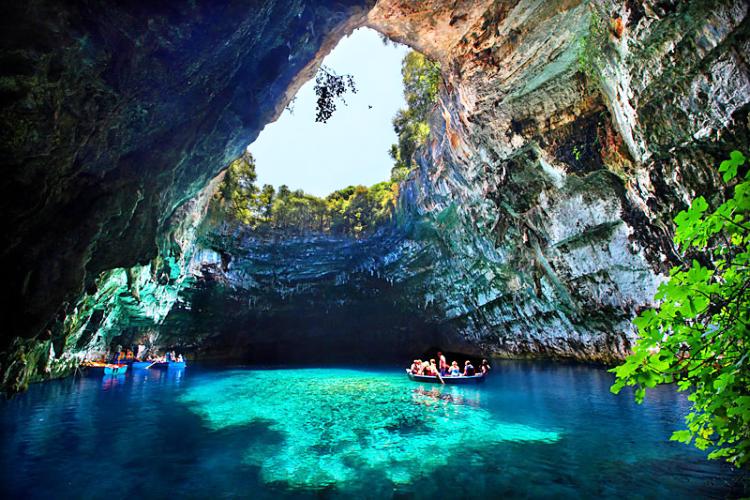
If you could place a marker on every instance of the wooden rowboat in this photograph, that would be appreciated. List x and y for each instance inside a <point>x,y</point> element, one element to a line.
<point>473,379</point>
<point>115,369</point>
<point>163,365</point>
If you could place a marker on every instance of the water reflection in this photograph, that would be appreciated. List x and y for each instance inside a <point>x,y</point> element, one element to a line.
<point>450,395</point>
<point>110,382</point>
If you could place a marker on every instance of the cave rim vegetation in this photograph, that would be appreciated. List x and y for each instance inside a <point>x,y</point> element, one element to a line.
<point>568,195</point>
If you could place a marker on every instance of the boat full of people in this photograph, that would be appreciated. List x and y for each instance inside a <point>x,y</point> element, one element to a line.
<point>169,361</point>
<point>164,365</point>
<point>444,373</point>
<point>112,369</point>
<point>471,379</point>
<point>118,363</point>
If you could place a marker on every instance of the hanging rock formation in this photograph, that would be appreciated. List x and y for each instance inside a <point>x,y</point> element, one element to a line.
<point>567,136</point>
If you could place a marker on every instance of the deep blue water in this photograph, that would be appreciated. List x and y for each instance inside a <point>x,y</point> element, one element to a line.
<point>533,430</point>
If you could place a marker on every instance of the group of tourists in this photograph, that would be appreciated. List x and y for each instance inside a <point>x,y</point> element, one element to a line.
<point>128,355</point>
<point>442,368</point>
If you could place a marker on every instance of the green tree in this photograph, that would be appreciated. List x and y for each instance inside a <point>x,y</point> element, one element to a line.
<point>698,336</point>
<point>355,210</point>
<point>237,196</point>
<point>265,201</point>
<point>421,78</point>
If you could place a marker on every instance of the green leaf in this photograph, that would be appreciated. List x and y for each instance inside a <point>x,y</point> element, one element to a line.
<point>698,335</point>
<point>683,436</point>
<point>737,157</point>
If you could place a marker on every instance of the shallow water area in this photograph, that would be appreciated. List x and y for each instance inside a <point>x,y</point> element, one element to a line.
<point>533,429</point>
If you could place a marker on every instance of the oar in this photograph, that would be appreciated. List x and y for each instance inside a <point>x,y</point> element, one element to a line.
<point>439,377</point>
<point>152,364</point>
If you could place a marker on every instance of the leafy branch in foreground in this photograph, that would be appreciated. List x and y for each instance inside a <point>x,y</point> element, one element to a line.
<point>698,336</point>
<point>330,86</point>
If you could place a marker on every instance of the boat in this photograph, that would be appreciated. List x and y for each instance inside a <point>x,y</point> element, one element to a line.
<point>94,367</point>
<point>471,379</point>
<point>111,369</point>
<point>98,367</point>
<point>164,365</point>
<point>141,365</point>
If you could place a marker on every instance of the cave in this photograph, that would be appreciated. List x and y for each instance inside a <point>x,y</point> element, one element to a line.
<point>534,218</point>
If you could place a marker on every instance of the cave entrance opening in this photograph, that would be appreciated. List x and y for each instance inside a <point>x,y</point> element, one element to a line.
<point>320,153</point>
<point>312,274</point>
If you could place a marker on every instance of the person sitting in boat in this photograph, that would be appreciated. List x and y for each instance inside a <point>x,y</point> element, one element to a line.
<point>469,369</point>
<point>443,364</point>
<point>415,367</point>
<point>431,368</point>
<point>180,359</point>
<point>455,370</point>
<point>485,367</point>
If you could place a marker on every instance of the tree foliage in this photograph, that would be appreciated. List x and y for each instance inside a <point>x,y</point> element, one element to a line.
<point>698,336</point>
<point>421,78</point>
<point>238,193</point>
<point>330,87</point>
<point>354,211</point>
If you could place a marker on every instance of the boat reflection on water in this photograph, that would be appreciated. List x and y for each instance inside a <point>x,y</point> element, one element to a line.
<point>447,395</point>
<point>110,382</point>
<point>173,376</point>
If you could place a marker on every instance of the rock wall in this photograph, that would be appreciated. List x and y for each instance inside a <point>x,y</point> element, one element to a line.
<point>114,114</point>
<point>276,298</point>
<point>567,136</point>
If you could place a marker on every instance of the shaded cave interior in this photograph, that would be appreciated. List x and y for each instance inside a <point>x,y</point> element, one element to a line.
<point>277,296</point>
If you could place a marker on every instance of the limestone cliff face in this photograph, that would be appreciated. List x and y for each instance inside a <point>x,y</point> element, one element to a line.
<point>115,114</point>
<point>567,136</point>
<point>320,297</point>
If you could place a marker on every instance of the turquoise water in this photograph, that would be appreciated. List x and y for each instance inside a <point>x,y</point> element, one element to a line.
<point>533,430</point>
